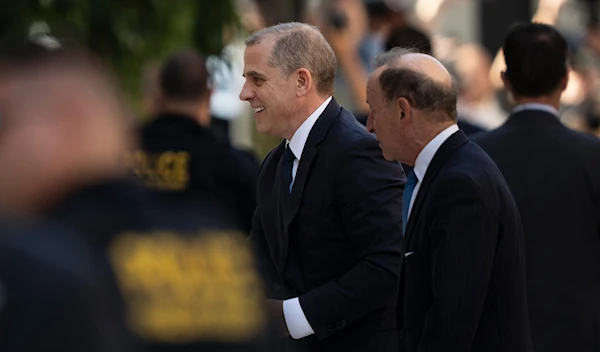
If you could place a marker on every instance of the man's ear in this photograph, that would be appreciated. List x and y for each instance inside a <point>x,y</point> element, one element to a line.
<point>505,80</point>
<point>564,82</point>
<point>304,82</point>
<point>404,108</point>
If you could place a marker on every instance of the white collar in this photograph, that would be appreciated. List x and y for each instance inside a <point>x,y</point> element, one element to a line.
<point>301,135</point>
<point>536,106</point>
<point>426,155</point>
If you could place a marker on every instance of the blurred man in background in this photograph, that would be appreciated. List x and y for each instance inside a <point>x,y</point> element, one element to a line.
<point>554,175</point>
<point>175,284</point>
<point>181,157</point>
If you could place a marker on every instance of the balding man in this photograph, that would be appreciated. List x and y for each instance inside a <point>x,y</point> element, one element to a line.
<point>328,221</point>
<point>462,285</point>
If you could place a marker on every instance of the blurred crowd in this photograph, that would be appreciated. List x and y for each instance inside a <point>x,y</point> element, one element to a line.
<point>127,231</point>
<point>359,29</point>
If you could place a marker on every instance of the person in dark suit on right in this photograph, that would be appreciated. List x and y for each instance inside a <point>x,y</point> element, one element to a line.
<point>462,284</point>
<point>554,175</point>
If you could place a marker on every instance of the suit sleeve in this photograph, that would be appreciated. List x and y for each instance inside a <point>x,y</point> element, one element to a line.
<point>242,175</point>
<point>463,241</point>
<point>369,198</point>
<point>260,248</point>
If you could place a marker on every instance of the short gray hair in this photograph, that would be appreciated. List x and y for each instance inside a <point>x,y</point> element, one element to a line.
<point>299,45</point>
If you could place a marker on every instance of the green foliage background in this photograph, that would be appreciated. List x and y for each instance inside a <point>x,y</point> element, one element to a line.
<point>127,33</point>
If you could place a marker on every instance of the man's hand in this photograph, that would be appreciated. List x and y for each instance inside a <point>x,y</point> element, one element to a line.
<point>275,311</point>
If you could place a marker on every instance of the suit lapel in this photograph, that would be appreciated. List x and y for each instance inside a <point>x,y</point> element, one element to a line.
<point>315,137</point>
<point>439,159</point>
<point>276,213</point>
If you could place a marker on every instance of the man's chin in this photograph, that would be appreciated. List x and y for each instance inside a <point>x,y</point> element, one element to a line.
<point>263,129</point>
<point>386,155</point>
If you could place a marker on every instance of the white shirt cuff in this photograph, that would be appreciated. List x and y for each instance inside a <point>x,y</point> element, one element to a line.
<point>296,321</point>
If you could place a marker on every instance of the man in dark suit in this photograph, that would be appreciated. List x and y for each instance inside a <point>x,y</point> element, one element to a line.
<point>559,206</point>
<point>327,228</point>
<point>462,286</point>
<point>181,156</point>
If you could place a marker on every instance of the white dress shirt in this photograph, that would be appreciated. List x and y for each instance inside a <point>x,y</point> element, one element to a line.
<point>295,319</point>
<point>424,159</point>
<point>537,106</point>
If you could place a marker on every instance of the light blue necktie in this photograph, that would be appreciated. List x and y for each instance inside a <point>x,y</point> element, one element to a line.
<point>411,182</point>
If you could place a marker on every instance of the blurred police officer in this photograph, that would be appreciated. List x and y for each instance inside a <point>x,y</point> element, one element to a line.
<point>182,157</point>
<point>52,297</point>
<point>178,284</point>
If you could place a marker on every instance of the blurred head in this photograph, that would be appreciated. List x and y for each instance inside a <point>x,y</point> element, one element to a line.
<point>536,61</point>
<point>412,99</point>
<point>472,65</point>
<point>409,37</point>
<point>61,127</point>
<point>385,14</point>
<point>289,70</point>
<point>184,89</point>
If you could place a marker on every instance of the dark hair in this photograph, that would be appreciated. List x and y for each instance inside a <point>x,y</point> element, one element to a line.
<point>536,59</point>
<point>422,92</point>
<point>184,76</point>
<point>409,37</point>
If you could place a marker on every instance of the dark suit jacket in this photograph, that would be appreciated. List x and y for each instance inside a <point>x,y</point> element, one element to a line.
<point>336,244</point>
<point>554,175</point>
<point>214,167</point>
<point>463,276</point>
<point>198,264</point>
<point>52,297</point>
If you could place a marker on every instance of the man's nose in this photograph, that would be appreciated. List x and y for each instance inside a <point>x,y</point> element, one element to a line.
<point>246,93</point>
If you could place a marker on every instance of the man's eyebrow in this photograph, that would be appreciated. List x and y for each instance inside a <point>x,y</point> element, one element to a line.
<point>254,74</point>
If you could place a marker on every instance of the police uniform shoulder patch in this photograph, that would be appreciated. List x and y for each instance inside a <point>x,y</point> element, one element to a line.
<point>188,289</point>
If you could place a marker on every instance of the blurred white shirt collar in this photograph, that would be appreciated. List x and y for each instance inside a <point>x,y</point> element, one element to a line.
<point>536,106</point>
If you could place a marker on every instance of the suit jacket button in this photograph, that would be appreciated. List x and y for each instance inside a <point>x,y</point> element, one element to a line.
<point>401,334</point>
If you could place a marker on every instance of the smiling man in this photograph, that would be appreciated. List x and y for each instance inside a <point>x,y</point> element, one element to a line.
<point>327,228</point>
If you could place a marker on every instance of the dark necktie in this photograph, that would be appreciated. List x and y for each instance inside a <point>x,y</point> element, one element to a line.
<point>411,182</point>
<point>287,163</point>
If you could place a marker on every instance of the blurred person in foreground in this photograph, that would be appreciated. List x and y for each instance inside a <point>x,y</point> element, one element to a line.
<point>177,285</point>
<point>462,285</point>
<point>559,206</point>
<point>181,157</point>
<point>52,295</point>
<point>327,228</point>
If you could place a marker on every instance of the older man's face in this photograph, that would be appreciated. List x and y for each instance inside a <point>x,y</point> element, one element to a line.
<point>271,95</point>
<point>384,118</point>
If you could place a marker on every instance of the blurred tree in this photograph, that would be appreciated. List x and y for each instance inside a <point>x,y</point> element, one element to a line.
<point>127,33</point>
